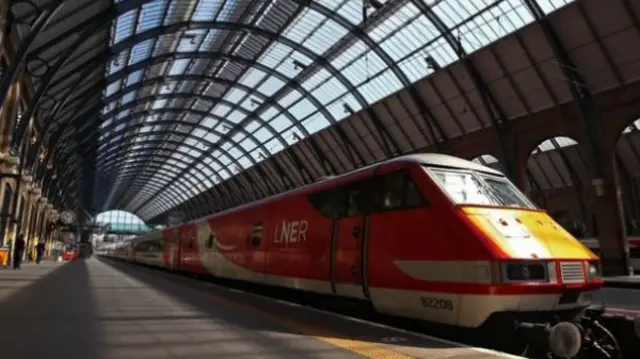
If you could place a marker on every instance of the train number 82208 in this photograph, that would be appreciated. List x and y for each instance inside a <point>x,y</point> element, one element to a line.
<point>437,303</point>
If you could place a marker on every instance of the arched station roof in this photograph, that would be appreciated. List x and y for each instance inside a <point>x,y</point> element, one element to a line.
<point>149,104</point>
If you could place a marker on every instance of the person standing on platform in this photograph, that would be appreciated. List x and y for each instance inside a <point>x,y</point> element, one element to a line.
<point>39,251</point>
<point>18,250</point>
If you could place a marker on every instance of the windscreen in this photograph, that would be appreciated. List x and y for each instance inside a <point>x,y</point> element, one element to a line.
<point>468,187</point>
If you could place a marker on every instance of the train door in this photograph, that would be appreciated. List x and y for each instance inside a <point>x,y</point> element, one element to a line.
<point>349,241</point>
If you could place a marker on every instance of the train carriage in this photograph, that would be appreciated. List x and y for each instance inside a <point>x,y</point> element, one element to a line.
<point>634,250</point>
<point>425,236</point>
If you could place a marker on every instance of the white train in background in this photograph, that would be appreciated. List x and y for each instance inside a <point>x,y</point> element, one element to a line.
<point>634,250</point>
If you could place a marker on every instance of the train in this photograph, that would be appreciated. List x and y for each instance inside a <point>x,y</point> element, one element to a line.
<point>73,251</point>
<point>634,250</point>
<point>426,236</point>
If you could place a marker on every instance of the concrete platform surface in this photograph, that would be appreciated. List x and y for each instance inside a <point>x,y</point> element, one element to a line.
<point>90,309</point>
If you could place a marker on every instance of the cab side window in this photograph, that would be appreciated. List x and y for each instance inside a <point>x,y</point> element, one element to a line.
<point>330,203</point>
<point>393,190</point>
<point>363,197</point>
<point>399,191</point>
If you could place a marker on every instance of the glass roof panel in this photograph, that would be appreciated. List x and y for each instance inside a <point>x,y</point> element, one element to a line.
<point>555,143</point>
<point>349,75</point>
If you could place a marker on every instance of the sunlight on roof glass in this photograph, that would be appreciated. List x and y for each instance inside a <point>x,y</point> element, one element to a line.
<point>554,144</point>
<point>251,90</point>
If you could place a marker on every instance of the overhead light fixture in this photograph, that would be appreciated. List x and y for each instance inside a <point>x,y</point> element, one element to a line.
<point>298,65</point>
<point>432,63</point>
<point>348,109</point>
<point>191,37</point>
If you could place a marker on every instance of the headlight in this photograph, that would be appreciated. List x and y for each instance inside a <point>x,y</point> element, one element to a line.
<point>593,270</point>
<point>525,272</point>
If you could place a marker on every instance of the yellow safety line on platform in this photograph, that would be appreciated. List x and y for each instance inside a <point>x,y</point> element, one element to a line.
<point>367,349</point>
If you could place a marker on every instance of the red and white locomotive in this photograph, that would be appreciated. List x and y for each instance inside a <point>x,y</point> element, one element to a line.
<point>425,236</point>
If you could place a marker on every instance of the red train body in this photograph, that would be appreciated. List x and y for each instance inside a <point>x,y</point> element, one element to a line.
<point>397,235</point>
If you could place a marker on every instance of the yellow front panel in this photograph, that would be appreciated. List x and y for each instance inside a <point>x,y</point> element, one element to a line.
<point>527,234</point>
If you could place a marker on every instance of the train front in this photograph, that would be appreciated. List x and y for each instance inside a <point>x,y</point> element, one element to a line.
<point>542,278</point>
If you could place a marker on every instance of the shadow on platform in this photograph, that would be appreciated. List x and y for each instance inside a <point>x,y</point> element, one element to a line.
<point>52,317</point>
<point>263,316</point>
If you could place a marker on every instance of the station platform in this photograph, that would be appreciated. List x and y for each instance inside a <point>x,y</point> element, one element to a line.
<point>98,309</point>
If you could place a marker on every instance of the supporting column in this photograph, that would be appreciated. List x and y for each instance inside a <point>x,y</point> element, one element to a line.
<point>610,222</point>
<point>28,227</point>
<point>8,115</point>
<point>4,9</point>
<point>8,161</point>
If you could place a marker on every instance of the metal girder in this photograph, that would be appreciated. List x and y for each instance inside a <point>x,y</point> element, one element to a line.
<point>111,153</point>
<point>101,19</point>
<point>576,83</point>
<point>138,153</point>
<point>233,181</point>
<point>210,144</point>
<point>182,191</point>
<point>583,96</point>
<point>38,25</point>
<point>238,188</point>
<point>361,34</point>
<point>344,141</point>
<point>491,105</point>
<point>162,204</point>
<point>224,136</point>
<point>34,150</point>
<point>164,79</point>
<point>128,43</point>
<point>109,14</point>
<point>155,184</point>
<point>131,41</point>
<point>221,135</point>
<point>35,101</point>
<point>145,100</point>
<point>603,48</point>
<point>138,166</point>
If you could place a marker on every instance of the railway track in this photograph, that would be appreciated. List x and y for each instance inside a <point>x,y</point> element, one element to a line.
<point>619,324</point>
